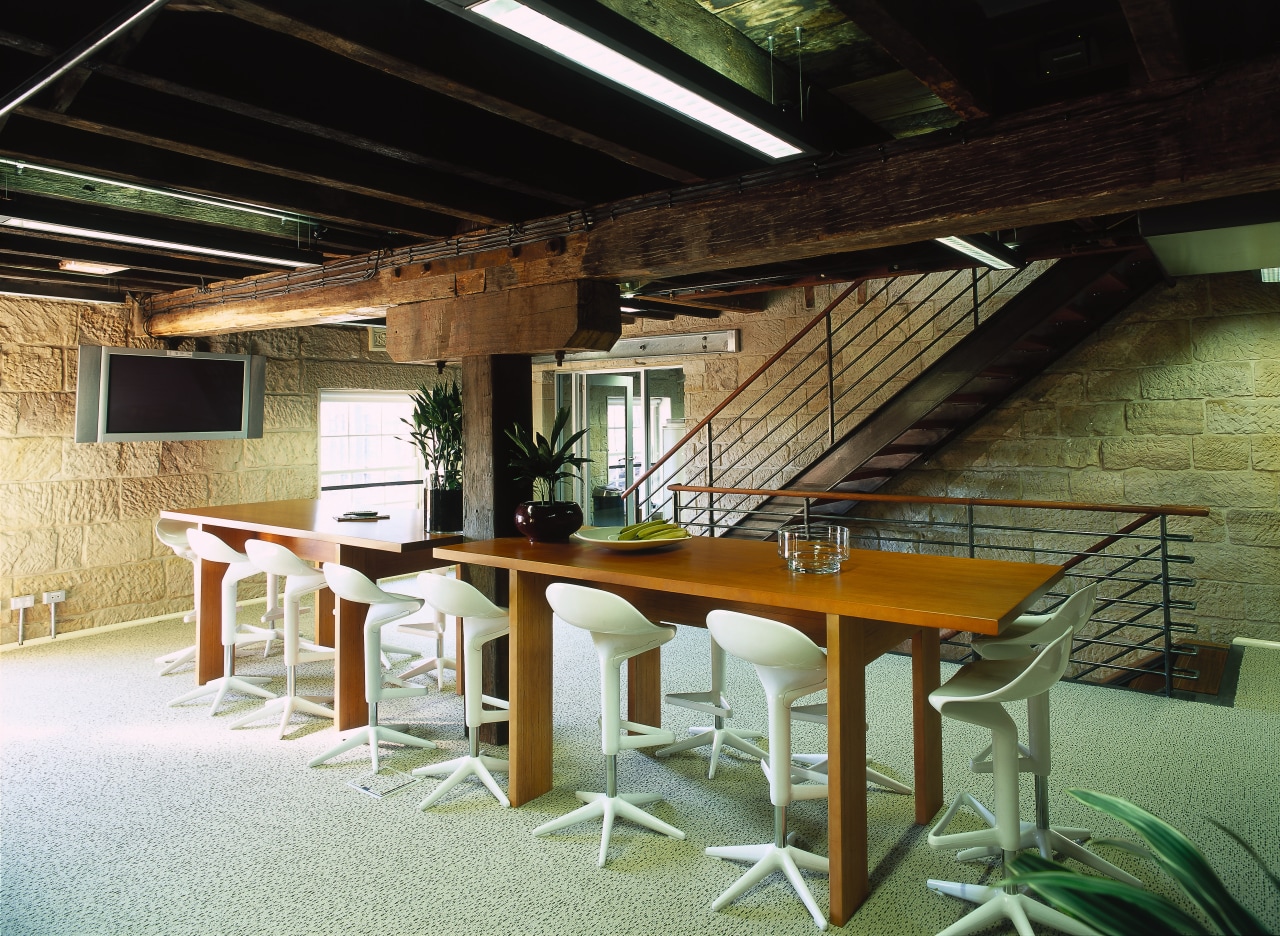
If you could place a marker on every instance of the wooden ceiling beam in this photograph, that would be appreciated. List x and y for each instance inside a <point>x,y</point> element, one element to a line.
<point>1178,142</point>
<point>265,18</point>
<point>1158,34</point>
<point>909,47</point>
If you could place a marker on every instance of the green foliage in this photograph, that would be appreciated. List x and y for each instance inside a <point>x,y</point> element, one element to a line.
<point>1114,908</point>
<point>436,430</point>
<point>545,461</point>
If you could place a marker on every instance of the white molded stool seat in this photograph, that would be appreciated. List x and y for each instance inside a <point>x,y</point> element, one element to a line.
<point>977,695</point>
<point>481,621</point>
<point>299,579</point>
<point>619,632</point>
<point>208,547</point>
<point>713,703</point>
<point>790,666</point>
<point>384,607</point>
<point>173,533</point>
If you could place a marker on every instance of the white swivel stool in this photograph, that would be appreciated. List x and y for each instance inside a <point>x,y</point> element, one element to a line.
<point>790,667</point>
<point>209,548</point>
<point>433,626</point>
<point>977,694</point>
<point>1023,639</point>
<point>619,632</point>
<point>817,763</point>
<point>299,579</point>
<point>384,607</point>
<point>713,703</point>
<point>481,621</point>
<point>173,533</point>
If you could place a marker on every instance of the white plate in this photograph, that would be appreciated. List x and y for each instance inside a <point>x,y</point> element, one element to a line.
<point>608,538</point>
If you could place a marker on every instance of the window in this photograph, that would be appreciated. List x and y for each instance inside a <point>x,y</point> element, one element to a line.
<point>364,458</point>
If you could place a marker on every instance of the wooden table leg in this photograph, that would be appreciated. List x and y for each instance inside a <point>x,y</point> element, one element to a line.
<point>846,766</point>
<point>926,676</point>
<point>208,603</point>
<point>351,709</point>
<point>644,688</point>
<point>530,669</point>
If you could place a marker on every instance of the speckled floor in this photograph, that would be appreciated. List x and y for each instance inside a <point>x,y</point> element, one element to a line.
<point>122,815</point>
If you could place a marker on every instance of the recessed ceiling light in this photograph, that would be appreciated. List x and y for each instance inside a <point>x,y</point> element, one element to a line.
<point>985,250</point>
<point>600,59</point>
<point>84,266</point>
<point>1270,274</point>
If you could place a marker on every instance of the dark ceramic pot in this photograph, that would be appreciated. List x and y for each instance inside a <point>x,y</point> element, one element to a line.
<point>445,515</point>
<point>548,521</point>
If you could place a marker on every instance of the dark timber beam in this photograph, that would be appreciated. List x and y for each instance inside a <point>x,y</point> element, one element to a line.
<point>425,78</point>
<point>1180,141</point>
<point>1157,33</point>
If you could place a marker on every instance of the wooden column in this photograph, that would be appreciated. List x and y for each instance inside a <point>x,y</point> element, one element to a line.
<point>497,391</point>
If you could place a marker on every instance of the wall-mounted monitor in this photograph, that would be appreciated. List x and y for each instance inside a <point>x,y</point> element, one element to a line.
<point>137,395</point>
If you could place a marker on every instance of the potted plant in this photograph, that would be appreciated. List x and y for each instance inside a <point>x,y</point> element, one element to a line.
<point>546,462</point>
<point>437,432</point>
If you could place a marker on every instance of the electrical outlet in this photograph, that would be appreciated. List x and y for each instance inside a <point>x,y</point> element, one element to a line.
<point>22,601</point>
<point>53,597</point>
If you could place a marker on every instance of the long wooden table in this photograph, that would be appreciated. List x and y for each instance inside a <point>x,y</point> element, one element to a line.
<point>878,600</point>
<point>380,548</point>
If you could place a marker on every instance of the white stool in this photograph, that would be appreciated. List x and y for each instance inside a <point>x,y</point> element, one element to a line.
<point>790,666</point>
<point>977,695</point>
<point>299,579</point>
<point>481,621</point>
<point>818,762</point>
<point>433,627</point>
<point>384,607</point>
<point>211,549</point>
<point>173,533</point>
<point>713,703</point>
<point>619,632</point>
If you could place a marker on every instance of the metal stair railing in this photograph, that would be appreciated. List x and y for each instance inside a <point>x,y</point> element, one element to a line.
<point>1134,621</point>
<point>829,377</point>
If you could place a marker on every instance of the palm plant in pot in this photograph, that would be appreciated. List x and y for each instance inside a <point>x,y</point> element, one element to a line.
<point>546,462</point>
<point>436,430</point>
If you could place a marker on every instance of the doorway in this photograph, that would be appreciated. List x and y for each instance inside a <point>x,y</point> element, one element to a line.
<point>631,419</point>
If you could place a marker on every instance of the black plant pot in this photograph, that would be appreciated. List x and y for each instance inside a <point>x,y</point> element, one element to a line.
<point>445,514</point>
<point>548,521</point>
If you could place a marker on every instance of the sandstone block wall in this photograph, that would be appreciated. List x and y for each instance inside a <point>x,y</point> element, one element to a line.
<point>80,516</point>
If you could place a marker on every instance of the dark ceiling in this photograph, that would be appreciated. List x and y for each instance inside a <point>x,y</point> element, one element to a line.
<point>354,127</point>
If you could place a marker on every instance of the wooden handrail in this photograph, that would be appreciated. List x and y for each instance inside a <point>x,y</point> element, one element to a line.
<point>702,423</point>
<point>1170,510</point>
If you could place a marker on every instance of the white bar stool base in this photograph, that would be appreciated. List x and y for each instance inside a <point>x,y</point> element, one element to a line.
<point>218,688</point>
<point>172,661</point>
<point>717,738</point>
<point>998,904</point>
<point>767,859</point>
<point>433,664</point>
<point>288,706</point>
<point>372,735</point>
<point>481,767</point>
<point>608,808</point>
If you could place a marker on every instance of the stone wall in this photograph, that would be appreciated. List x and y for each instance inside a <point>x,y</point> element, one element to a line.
<point>80,516</point>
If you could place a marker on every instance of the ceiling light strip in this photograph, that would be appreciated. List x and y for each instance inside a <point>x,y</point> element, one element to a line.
<point>972,250</point>
<point>597,57</point>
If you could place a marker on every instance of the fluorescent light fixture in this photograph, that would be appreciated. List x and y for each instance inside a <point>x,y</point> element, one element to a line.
<point>84,266</point>
<point>1270,274</point>
<point>70,231</point>
<point>597,57</point>
<point>984,249</point>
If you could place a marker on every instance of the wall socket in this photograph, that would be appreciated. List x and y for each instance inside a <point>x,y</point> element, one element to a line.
<point>53,597</point>
<point>22,601</point>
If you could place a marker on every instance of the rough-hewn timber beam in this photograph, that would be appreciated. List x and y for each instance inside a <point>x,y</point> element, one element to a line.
<point>1193,140</point>
<point>578,316</point>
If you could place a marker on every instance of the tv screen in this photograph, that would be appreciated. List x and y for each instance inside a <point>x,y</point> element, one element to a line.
<point>132,395</point>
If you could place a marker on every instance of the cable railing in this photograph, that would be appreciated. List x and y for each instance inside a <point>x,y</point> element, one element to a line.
<point>827,379</point>
<point>1126,549</point>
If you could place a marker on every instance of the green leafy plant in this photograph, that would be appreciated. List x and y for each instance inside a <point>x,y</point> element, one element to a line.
<point>545,461</point>
<point>1115,908</point>
<point>436,430</point>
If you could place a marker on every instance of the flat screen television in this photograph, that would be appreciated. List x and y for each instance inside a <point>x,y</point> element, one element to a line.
<point>138,395</point>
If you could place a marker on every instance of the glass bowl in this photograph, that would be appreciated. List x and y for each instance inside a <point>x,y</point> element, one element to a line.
<point>818,547</point>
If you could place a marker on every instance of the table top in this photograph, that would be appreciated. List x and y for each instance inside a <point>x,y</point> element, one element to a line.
<point>944,592</point>
<point>402,531</point>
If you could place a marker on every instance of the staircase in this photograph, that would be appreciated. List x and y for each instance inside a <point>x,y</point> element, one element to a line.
<point>878,389</point>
